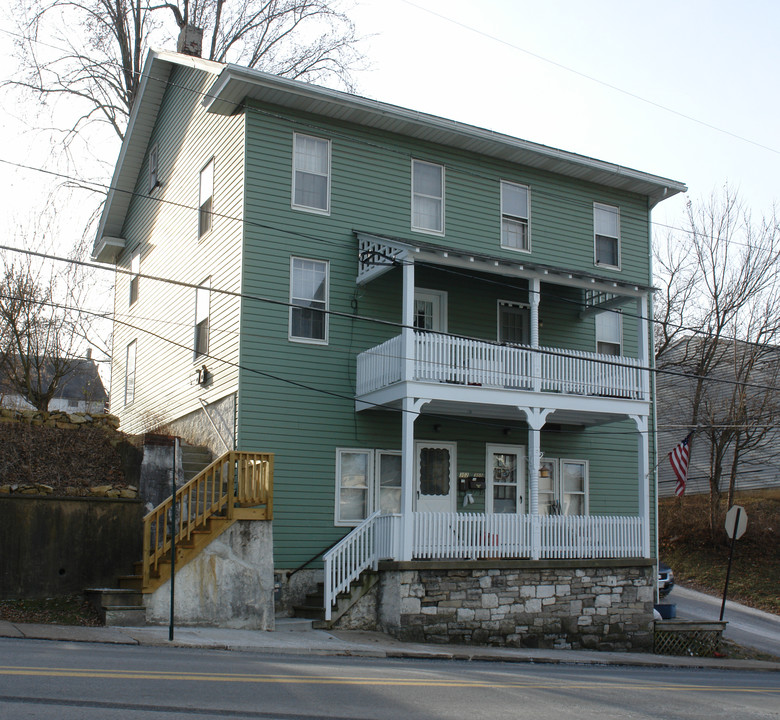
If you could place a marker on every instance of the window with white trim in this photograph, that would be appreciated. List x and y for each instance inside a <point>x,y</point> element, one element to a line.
<point>202,302</point>
<point>606,230</point>
<point>308,300</point>
<point>206,198</point>
<point>513,323</point>
<point>514,217</point>
<point>135,269</point>
<point>154,155</point>
<point>130,373</point>
<point>366,480</point>
<point>311,173</point>
<point>609,333</point>
<point>563,487</point>
<point>427,197</point>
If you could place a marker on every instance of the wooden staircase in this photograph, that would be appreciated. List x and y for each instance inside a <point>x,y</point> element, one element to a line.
<point>313,606</point>
<point>236,486</point>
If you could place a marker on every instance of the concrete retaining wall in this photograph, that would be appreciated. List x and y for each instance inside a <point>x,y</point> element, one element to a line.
<point>229,584</point>
<point>57,546</point>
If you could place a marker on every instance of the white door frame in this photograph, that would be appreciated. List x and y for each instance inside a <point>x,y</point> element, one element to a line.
<point>452,499</point>
<point>438,298</point>
<point>522,482</point>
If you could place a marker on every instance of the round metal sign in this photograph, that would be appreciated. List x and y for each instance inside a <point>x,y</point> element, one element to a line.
<point>731,522</point>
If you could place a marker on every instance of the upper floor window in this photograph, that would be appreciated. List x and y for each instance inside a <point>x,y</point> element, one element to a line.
<point>609,333</point>
<point>427,197</point>
<point>311,173</point>
<point>309,300</point>
<point>514,217</point>
<point>154,180</point>
<point>606,228</point>
<point>135,269</point>
<point>202,301</point>
<point>205,198</point>
<point>513,323</point>
<point>130,373</point>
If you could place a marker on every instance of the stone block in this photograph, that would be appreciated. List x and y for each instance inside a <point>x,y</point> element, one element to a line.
<point>486,581</point>
<point>545,591</point>
<point>466,615</point>
<point>490,600</point>
<point>533,605</point>
<point>410,606</point>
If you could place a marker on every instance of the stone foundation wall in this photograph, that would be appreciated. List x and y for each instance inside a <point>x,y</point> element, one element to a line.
<point>605,605</point>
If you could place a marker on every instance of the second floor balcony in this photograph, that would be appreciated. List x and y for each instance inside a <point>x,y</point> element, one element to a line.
<point>436,358</point>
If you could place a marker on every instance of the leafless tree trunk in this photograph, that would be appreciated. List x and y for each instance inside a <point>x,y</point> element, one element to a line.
<point>718,315</point>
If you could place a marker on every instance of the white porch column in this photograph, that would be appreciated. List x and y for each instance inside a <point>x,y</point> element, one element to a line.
<point>536,417</point>
<point>407,319</point>
<point>411,409</point>
<point>643,343</point>
<point>642,426</point>
<point>536,363</point>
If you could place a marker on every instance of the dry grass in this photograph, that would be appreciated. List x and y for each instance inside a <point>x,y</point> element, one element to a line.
<point>64,610</point>
<point>686,544</point>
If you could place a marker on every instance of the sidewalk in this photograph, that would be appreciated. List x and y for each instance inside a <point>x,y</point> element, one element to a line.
<point>295,637</point>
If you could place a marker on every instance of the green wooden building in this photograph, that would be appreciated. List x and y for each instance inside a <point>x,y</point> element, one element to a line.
<point>440,332</point>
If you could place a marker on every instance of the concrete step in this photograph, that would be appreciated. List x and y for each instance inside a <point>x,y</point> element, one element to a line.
<point>118,606</point>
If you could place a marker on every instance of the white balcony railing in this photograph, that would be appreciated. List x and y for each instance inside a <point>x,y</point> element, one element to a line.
<point>447,359</point>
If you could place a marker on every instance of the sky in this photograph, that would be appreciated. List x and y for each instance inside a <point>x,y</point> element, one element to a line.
<point>684,89</point>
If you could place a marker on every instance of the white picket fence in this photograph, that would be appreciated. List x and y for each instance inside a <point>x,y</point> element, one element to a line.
<point>446,359</point>
<point>477,536</point>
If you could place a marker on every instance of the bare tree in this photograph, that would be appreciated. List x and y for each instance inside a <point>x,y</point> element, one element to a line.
<point>36,337</point>
<point>91,51</point>
<point>718,318</point>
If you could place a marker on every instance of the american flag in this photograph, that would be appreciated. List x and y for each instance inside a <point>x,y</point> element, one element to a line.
<point>679,460</point>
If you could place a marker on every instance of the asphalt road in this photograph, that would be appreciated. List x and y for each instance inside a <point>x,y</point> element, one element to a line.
<point>746,627</point>
<point>83,681</point>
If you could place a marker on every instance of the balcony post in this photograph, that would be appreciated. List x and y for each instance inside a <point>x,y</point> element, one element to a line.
<point>407,319</point>
<point>535,417</point>
<point>411,409</point>
<point>536,360</point>
<point>642,426</point>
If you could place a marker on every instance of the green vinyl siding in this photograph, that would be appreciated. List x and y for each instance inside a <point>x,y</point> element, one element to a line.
<point>297,399</point>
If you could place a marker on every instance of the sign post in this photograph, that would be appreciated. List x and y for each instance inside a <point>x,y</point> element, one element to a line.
<point>736,523</point>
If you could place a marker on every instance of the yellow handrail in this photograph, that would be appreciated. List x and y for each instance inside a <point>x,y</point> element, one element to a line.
<point>243,479</point>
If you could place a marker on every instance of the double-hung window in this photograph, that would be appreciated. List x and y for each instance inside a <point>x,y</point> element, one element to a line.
<point>130,373</point>
<point>366,480</point>
<point>308,300</point>
<point>206,198</point>
<point>606,228</point>
<point>514,217</point>
<point>563,487</point>
<point>202,301</point>
<point>135,269</point>
<point>609,333</point>
<point>311,173</point>
<point>427,197</point>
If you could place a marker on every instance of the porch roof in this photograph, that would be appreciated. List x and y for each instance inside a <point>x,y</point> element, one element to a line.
<point>379,253</point>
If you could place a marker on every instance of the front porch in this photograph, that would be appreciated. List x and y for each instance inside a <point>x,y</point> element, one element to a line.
<point>477,536</point>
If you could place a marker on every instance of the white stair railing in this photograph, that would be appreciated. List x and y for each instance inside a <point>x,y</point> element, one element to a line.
<point>373,540</point>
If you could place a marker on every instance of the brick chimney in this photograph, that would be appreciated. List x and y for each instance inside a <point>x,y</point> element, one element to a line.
<point>190,41</point>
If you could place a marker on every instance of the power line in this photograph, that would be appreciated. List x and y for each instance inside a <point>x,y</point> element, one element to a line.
<point>593,79</point>
<point>351,316</point>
